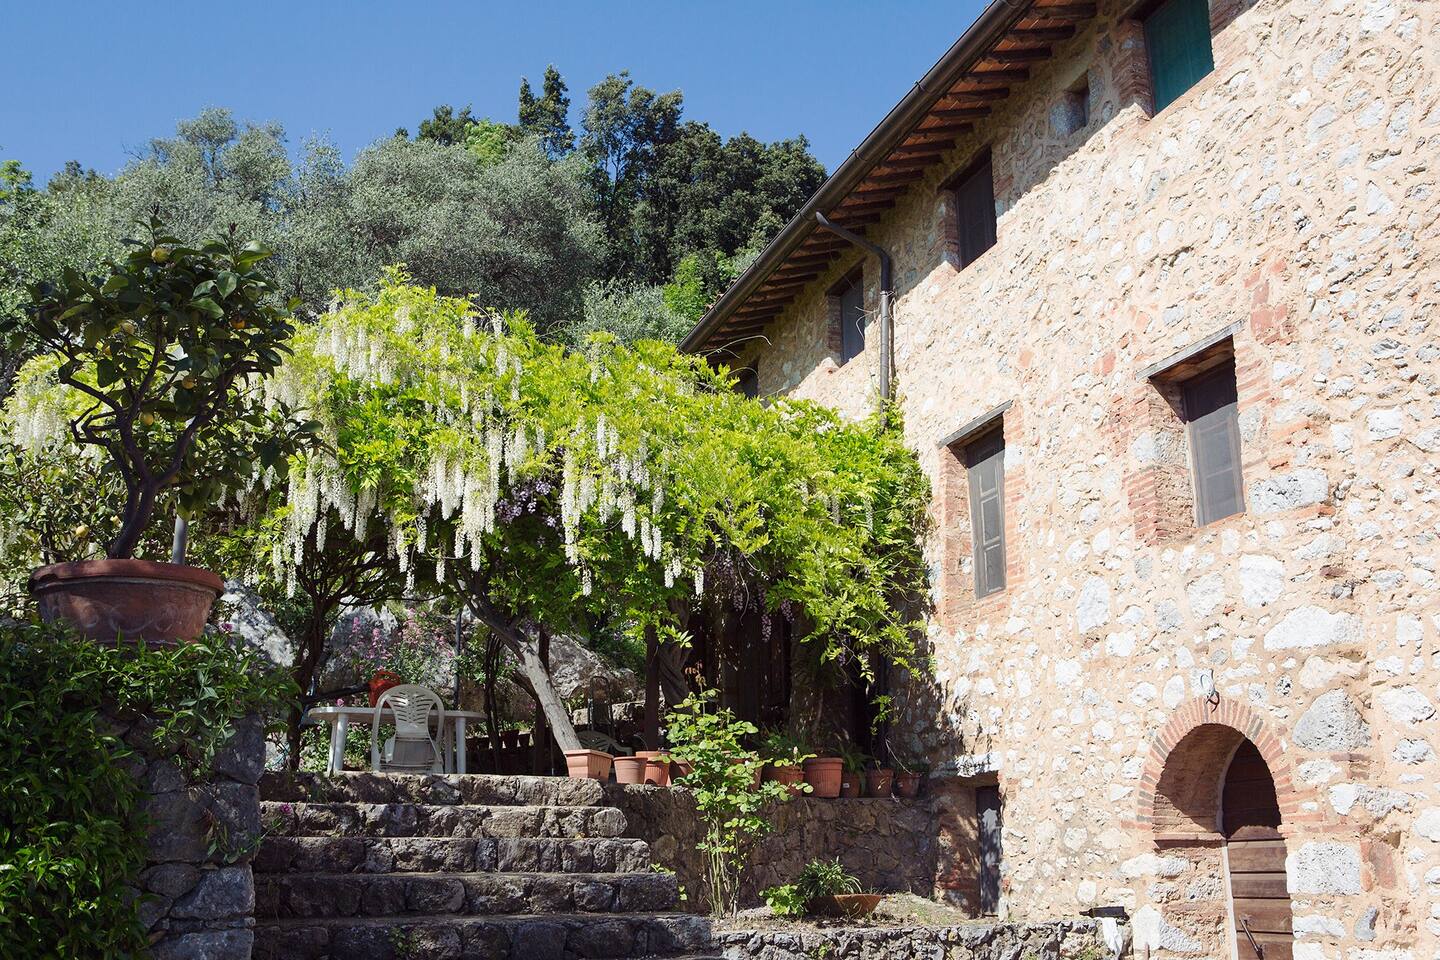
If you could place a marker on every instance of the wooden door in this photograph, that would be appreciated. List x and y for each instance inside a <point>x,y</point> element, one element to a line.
<point>987,810</point>
<point>1259,898</point>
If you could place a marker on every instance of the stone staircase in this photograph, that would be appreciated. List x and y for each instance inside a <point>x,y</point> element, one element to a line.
<point>369,867</point>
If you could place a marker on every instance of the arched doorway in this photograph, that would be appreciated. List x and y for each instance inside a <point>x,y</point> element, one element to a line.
<point>1221,792</point>
<point>1255,859</point>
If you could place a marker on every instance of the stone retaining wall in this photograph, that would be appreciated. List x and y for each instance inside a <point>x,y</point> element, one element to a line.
<point>1068,939</point>
<point>891,845</point>
<point>197,888</point>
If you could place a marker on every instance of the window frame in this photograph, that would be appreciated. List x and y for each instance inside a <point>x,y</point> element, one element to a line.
<point>1229,413</point>
<point>986,451</point>
<point>1146,17</point>
<point>852,283</point>
<point>955,187</point>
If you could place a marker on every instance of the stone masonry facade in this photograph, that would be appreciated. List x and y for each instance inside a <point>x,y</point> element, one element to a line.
<point>1282,211</point>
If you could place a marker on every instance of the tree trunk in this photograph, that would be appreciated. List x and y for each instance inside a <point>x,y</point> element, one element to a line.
<point>557,716</point>
<point>670,659</point>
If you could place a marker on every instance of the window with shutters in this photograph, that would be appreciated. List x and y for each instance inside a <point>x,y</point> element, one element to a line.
<point>1212,422</point>
<point>985,475</point>
<point>848,314</point>
<point>974,202</point>
<point>1177,42</point>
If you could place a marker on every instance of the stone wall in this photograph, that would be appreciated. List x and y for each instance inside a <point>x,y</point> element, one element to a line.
<point>198,895</point>
<point>1287,201</point>
<point>1056,940</point>
<point>890,845</point>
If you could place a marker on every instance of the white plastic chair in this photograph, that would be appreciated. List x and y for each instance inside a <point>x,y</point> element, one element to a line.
<point>411,705</point>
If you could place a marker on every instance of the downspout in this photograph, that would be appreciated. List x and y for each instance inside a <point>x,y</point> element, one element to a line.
<point>887,296</point>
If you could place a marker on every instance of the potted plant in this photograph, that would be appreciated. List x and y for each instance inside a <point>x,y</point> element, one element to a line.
<point>657,767</point>
<point>878,780</point>
<point>588,764</point>
<point>853,760</point>
<point>824,888</point>
<point>630,770</point>
<point>824,774</point>
<point>908,778</point>
<point>157,366</point>
<point>787,756</point>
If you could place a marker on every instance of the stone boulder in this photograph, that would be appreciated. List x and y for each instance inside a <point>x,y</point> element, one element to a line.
<point>250,623</point>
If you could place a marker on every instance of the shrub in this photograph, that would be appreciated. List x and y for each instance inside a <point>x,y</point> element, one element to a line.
<point>71,833</point>
<point>820,878</point>
<point>729,795</point>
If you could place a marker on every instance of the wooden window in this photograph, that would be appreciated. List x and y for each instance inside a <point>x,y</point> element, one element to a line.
<point>851,294</point>
<point>974,192</point>
<point>1177,41</point>
<point>1213,423</point>
<point>988,817</point>
<point>985,475</point>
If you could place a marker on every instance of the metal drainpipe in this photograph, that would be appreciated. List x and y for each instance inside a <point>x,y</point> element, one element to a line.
<point>887,295</point>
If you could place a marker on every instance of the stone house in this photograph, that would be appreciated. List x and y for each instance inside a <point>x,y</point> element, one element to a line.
<point>1162,286</point>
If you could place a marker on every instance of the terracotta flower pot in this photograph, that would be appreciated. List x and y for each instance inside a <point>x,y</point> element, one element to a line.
<point>824,774</point>
<point>907,785</point>
<point>851,906</point>
<point>160,603</point>
<point>657,768</point>
<point>789,775</point>
<point>380,681</point>
<point>630,770</point>
<point>588,764</point>
<point>878,782</point>
<point>680,768</point>
<point>852,785</point>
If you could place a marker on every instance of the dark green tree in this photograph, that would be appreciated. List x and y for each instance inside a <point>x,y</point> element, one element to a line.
<point>445,126</point>
<point>548,116</point>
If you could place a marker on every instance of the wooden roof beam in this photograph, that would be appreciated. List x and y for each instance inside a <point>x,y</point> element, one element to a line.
<point>933,147</point>
<point>1041,34</point>
<point>1024,55</point>
<point>989,93</point>
<point>1063,11</point>
<point>1009,75</point>
<point>961,113</point>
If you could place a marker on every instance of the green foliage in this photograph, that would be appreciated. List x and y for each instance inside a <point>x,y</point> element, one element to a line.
<point>785,749</point>
<point>730,797</point>
<point>853,758</point>
<point>156,362</point>
<point>547,116</point>
<point>628,312</point>
<point>70,829</point>
<point>820,878</point>
<point>784,900</point>
<point>503,467</point>
<point>488,141</point>
<point>445,126</point>
<point>685,295</point>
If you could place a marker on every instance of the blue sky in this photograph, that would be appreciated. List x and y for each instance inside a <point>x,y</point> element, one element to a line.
<point>94,81</point>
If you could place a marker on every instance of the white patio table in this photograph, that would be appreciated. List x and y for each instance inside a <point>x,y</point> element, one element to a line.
<point>339,719</point>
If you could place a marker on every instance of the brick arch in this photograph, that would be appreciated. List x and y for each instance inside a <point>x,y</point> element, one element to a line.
<point>1182,779</point>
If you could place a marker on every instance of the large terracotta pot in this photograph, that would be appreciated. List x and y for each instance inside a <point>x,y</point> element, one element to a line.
<point>588,764</point>
<point>907,785</point>
<point>630,770</point>
<point>657,767</point>
<point>824,775</point>
<point>788,775</point>
<point>160,603</point>
<point>851,906</point>
<point>878,782</point>
<point>852,785</point>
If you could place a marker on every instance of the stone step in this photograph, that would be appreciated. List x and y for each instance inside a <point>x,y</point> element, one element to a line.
<point>552,937</point>
<point>471,894</point>
<point>451,854</point>
<point>286,819</point>
<point>447,789</point>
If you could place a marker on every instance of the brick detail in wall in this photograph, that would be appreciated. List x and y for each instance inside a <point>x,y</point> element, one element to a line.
<point>1179,791</point>
<point>1130,66</point>
<point>958,605</point>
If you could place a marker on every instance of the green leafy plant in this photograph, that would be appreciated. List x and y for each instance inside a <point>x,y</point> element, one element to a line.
<point>853,758</point>
<point>784,900</point>
<point>71,831</point>
<point>784,749</point>
<point>729,796</point>
<point>156,366</point>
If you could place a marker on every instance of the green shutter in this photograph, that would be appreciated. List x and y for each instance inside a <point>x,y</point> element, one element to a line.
<point>1177,39</point>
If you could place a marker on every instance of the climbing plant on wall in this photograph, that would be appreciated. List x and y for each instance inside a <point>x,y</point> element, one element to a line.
<point>540,486</point>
